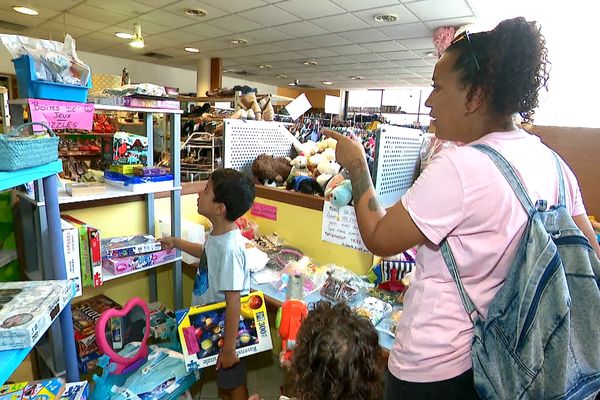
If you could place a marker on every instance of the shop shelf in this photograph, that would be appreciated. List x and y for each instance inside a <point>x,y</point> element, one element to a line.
<point>19,177</point>
<point>108,276</point>
<point>6,256</point>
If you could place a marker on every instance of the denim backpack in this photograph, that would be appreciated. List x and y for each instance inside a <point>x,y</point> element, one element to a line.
<point>541,338</point>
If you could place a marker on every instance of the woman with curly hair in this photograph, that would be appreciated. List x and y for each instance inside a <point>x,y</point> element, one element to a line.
<point>336,356</point>
<point>479,84</point>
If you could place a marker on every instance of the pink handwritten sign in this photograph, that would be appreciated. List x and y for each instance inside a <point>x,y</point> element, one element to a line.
<point>62,114</point>
<point>264,211</point>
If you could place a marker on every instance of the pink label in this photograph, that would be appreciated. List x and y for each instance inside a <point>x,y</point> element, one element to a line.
<point>264,211</point>
<point>190,340</point>
<point>62,114</point>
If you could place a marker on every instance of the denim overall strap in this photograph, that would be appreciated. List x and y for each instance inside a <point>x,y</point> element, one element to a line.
<point>561,181</point>
<point>519,189</point>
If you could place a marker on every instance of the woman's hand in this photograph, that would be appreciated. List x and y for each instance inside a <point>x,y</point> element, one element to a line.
<point>348,152</point>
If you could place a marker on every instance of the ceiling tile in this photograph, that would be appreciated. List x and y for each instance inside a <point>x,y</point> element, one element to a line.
<point>364,36</point>
<point>404,16</point>
<point>237,5</point>
<point>130,8</point>
<point>211,45</point>
<point>418,44</point>
<point>415,62</point>
<point>154,3</point>
<point>165,18</point>
<point>428,10</point>
<point>407,31</point>
<point>386,45</point>
<point>355,5</point>
<point>212,11</point>
<point>70,19</point>
<point>162,41</point>
<point>206,31</point>
<point>301,29</point>
<point>348,49</point>
<point>267,35</point>
<point>177,37</point>
<point>58,5</point>
<point>308,9</point>
<point>46,34</point>
<point>329,40</point>
<point>258,49</point>
<point>365,57</point>
<point>175,52</point>
<point>399,55</point>
<point>295,44</point>
<point>235,24</point>
<point>269,15</point>
<point>457,22</point>
<point>334,60</point>
<point>314,53</point>
<point>7,14</point>
<point>340,23</point>
<point>97,14</point>
<point>56,27</point>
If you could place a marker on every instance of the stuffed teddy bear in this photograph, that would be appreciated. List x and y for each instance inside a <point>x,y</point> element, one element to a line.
<point>271,171</point>
<point>304,184</point>
<point>326,170</point>
<point>299,166</point>
<point>325,144</point>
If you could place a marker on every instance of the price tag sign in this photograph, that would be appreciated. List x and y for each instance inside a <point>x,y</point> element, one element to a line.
<point>264,211</point>
<point>340,227</point>
<point>62,114</point>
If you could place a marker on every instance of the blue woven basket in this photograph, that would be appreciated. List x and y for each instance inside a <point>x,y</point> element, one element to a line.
<point>18,153</point>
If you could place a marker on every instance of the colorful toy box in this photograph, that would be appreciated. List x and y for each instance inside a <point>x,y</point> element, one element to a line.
<point>85,315</point>
<point>122,265</point>
<point>202,331</point>
<point>159,314</point>
<point>28,309</point>
<point>36,390</point>
<point>128,246</point>
<point>125,148</point>
<point>76,391</point>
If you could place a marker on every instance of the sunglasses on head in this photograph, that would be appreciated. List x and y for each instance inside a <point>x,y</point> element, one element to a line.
<point>466,36</point>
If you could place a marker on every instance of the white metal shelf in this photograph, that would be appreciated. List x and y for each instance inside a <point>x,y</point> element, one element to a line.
<point>108,276</point>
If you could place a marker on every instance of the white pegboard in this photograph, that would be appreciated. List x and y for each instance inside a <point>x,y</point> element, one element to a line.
<point>245,140</point>
<point>396,162</point>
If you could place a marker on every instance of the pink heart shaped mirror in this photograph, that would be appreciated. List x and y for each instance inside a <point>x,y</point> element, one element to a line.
<point>117,327</point>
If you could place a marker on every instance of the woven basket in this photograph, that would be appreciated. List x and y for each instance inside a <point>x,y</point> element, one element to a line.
<point>17,153</point>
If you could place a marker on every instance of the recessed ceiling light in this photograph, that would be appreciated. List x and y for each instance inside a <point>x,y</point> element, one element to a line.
<point>226,71</point>
<point>192,50</point>
<point>327,83</point>
<point>386,18</point>
<point>357,77</point>
<point>123,35</point>
<point>195,12</point>
<point>239,41</point>
<point>280,76</point>
<point>310,62</point>
<point>265,66</point>
<point>431,54</point>
<point>292,84</point>
<point>25,10</point>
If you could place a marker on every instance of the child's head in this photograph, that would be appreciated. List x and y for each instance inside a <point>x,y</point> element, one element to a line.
<point>336,356</point>
<point>227,192</point>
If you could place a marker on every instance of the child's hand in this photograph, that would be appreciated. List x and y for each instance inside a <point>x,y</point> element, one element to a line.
<point>167,243</point>
<point>254,397</point>
<point>227,359</point>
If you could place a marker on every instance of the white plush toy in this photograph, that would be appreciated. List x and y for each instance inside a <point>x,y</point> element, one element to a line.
<point>315,159</point>
<point>325,144</point>
<point>299,166</point>
<point>327,169</point>
<point>306,149</point>
<point>329,154</point>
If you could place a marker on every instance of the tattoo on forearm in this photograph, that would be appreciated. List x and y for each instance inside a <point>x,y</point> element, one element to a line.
<point>374,204</point>
<point>361,181</point>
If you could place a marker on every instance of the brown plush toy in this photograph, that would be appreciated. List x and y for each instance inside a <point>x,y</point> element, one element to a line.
<point>269,170</point>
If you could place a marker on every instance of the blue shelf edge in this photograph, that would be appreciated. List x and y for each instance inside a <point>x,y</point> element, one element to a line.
<point>11,359</point>
<point>10,179</point>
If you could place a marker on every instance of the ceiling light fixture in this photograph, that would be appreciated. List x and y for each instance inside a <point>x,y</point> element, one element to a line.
<point>280,76</point>
<point>327,83</point>
<point>192,50</point>
<point>137,40</point>
<point>431,54</point>
<point>310,62</point>
<point>123,35</point>
<point>226,71</point>
<point>195,12</point>
<point>295,83</point>
<point>356,78</point>
<point>265,66</point>
<point>386,18</point>
<point>239,41</point>
<point>25,10</point>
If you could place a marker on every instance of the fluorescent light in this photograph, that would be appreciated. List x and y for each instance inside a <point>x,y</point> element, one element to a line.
<point>123,35</point>
<point>25,10</point>
<point>238,41</point>
<point>192,50</point>
<point>280,76</point>
<point>310,62</point>
<point>265,66</point>
<point>327,83</point>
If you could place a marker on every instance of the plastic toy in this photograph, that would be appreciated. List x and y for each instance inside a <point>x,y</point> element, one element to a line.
<point>123,364</point>
<point>339,191</point>
<point>289,319</point>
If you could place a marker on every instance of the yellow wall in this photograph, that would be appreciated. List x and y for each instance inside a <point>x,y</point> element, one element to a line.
<point>315,96</point>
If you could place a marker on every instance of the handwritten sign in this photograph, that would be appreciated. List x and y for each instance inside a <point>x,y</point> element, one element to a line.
<point>62,114</point>
<point>340,227</point>
<point>264,211</point>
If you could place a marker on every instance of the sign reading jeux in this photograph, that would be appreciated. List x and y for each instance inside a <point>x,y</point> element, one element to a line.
<point>62,114</point>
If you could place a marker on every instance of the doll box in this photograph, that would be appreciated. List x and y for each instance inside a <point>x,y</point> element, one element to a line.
<point>85,315</point>
<point>128,246</point>
<point>28,309</point>
<point>202,331</point>
<point>36,390</point>
<point>123,265</point>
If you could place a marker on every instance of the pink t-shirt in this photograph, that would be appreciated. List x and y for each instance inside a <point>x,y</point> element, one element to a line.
<point>462,196</point>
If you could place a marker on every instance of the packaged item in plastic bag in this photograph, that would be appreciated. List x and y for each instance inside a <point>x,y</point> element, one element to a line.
<point>374,309</point>
<point>389,323</point>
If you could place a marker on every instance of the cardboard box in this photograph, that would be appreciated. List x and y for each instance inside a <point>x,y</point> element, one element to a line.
<point>202,331</point>
<point>125,148</point>
<point>125,246</point>
<point>89,251</point>
<point>50,389</point>
<point>85,315</point>
<point>29,308</point>
<point>76,391</point>
<point>88,363</point>
<point>122,265</point>
<point>71,250</point>
<point>127,169</point>
<point>159,314</point>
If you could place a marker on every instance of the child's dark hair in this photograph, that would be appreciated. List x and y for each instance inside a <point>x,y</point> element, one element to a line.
<point>235,190</point>
<point>336,356</point>
<point>513,65</point>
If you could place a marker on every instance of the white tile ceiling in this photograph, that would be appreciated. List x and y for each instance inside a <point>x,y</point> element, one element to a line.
<point>341,35</point>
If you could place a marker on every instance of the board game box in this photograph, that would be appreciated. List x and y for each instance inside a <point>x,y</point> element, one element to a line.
<point>36,390</point>
<point>202,331</point>
<point>85,315</point>
<point>28,308</point>
<point>128,246</point>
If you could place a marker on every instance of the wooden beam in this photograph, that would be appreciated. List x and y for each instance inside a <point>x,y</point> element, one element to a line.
<point>216,66</point>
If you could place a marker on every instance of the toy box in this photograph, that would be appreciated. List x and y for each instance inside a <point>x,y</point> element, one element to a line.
<point>85,315</point>
<point>28,308</point>
<point>127,169</point>
<point>159,314</point>
<point>71,251</point>
<point>36,390</point>
<point>88,363</point>
<point>125,148</point>
<point>122,265</point>
<point>139,183</point>
<point>202,331</point>
<point>128,246</point>
<point>76,391</point>
<point>89,251</point>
